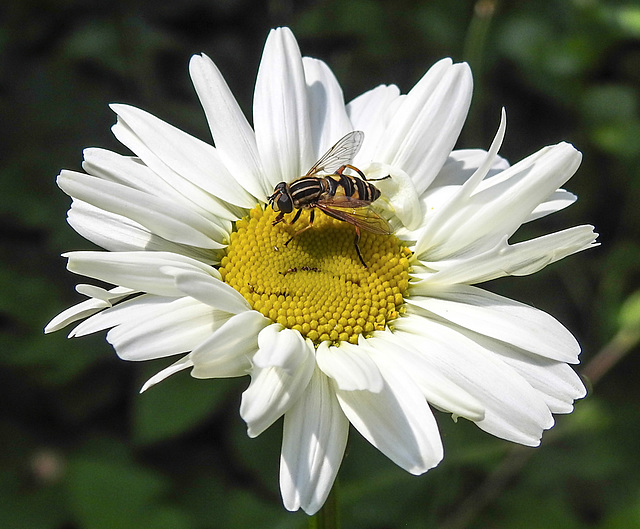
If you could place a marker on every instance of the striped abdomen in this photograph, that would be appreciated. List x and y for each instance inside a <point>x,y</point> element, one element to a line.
<point>309,189</point>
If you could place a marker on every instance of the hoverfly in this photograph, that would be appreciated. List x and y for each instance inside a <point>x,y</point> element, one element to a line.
<point>326,187</point>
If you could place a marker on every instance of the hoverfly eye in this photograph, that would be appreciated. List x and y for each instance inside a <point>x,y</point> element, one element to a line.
<point>283,203</point>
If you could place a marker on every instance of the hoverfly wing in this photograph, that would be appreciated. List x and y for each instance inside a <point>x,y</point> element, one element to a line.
<point>340,154</point>
<point>356,212</point>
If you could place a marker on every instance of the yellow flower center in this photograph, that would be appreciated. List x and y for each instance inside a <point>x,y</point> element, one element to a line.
<point>316,284</point>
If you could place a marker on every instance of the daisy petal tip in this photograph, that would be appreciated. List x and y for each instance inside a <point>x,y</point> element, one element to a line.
<point>283,31</point>
<point>534,441</point>
<point>278,34</point>
<point>567,152</point>
<point>428,462</point>
<point>280,347</point>
<point>56,323</point>
<point>292,505</point>
<point>194,64</point>
<point>464,70</point>
<point>198,63</point>
<point>445,61</point>
<point>252,433</point>
<point>197,57</point>
<point>149,384</point>
<point>311,508</point>
<point>118,108</point>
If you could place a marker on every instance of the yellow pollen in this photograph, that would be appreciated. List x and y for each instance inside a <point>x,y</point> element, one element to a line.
<point>316,284</point>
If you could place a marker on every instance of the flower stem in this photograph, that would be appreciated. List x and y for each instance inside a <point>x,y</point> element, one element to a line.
<point>327,517</point>
<point>476,39</point>
<point>473,53</point>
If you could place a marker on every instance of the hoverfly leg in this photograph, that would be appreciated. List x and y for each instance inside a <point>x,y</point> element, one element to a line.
<point>378,179</point>
<point>360,173</point>
<point>279,218</point>
<point>311,217</point>
<point>353,168</point>
<point>355,243</point>
<point>297,216</point>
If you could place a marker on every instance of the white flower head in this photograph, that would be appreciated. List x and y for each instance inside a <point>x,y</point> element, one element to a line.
<point>200,268</point>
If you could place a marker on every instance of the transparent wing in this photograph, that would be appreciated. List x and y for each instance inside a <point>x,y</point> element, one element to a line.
<point>340,154</point>
<point>356,212</point>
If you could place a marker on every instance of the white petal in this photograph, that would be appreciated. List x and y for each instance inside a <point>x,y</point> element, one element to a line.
<point>349,366</point>
<point>183,363</point>
<point>143,306</point>
<point>370,112</point>
<point>460,167</point>
<point>372,106</point>
<point>396,420</point>
<point>120,234</point>
<point>281,111</point>
<point>125,170</point>
<point>175,328</point>
<point>85,309</point>
<point>462,163</point>
<point>208,288</point>
<point>183,185</point>
<point>473,223</point>
<point>440,224</point>
<point>427,123</point>
<point>233,136</point>
<point>273,391</point>
<point>184,154</point>
<point>555,382</point>
<point>132,172</point>
<point>93,291</point>
<point>500,318</point>
<point>314,438</point>
<point>111,232</point>
<point>558,384</point>
<point>229,366</point>
<point>326,105</point>
<point>279,347</point>
<point>513,409</point>
<point>557,201</point>
<point>228,351</point>
<point>504,259</point>
<point>437,389</point>
<point>158,215</point>
<point>141,271</point>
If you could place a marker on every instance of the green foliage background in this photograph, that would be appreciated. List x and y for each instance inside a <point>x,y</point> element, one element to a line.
<point>81,448</point>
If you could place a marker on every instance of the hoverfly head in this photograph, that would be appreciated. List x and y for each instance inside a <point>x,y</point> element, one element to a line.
<point>281,199</point>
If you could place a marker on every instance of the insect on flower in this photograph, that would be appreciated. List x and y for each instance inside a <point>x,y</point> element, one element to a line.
<point>327,187</point>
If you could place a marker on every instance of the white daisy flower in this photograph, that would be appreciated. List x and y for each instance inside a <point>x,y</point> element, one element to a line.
<point>200,270</point>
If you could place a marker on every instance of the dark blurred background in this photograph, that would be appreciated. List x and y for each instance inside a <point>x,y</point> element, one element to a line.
<point>81,448</point>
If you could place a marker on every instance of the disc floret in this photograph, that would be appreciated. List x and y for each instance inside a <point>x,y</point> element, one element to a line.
<point>316,284</point>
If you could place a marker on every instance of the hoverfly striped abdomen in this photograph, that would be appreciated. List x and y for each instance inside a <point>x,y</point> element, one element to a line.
<point>339,195</point>
<point>350,186</point>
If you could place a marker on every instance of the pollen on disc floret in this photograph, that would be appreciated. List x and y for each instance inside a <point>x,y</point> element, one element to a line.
<point>316,284</point>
